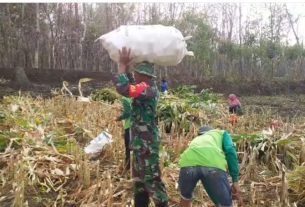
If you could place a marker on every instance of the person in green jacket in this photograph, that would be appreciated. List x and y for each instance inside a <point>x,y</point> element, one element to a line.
<point>126,117</point>
<point>206,159</point>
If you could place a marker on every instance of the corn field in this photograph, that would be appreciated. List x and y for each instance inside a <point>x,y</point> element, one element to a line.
<point>42,159</point>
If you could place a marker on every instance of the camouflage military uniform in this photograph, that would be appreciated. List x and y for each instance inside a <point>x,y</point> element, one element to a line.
<point>145,138</point>
<point>125,116</point>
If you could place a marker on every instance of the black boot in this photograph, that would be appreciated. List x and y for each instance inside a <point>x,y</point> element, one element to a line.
<point>165,204</point>
<point>141,199</point>
<point>127,148</point>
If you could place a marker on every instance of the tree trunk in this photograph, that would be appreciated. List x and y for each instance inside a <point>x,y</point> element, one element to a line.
<point>240,44</point>
<point>36,58</point>
<point>292,26</point>
<point>84,28</point>
<point>20,48</point>
<point>9,43</point>
<point>21,78</point>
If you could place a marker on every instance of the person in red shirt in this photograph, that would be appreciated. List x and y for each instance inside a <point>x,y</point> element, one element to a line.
<point>234,105</point>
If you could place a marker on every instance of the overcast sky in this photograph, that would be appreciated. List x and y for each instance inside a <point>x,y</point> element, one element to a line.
<point>255,11</point>
<point>296,9</point>
<point>260,11</point>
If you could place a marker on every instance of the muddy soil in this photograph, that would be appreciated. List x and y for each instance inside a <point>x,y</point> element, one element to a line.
<point>288,107</point>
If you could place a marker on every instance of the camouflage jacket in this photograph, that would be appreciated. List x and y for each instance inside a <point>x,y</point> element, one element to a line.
<point>145,97</point>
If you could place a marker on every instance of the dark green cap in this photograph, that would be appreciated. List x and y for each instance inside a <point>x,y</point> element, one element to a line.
<point>204,129</point>
<point>146,69</point>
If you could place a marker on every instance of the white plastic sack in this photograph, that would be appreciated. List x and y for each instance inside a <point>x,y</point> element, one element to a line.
<point>162,45</point>
<point>96,145</point>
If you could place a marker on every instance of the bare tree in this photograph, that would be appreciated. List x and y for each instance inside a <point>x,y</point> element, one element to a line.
<point>83,35</point>
<point>292,22</point>
<point>240,41</point>
<point>36,58</point>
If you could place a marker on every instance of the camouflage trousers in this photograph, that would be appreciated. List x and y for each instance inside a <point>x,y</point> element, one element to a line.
<point>146,170</point>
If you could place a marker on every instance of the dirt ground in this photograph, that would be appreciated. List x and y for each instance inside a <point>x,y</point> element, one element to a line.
<point>286,106</point>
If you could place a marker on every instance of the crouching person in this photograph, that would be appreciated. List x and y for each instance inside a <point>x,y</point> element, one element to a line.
<point>206,159</point>
<point>234,105</point>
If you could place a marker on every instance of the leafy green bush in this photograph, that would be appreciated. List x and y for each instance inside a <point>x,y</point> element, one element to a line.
<point>294,52</point>
<point>176,111</point>
<point>182,106</point>
<point>188,93</point>
<point>105,94</point>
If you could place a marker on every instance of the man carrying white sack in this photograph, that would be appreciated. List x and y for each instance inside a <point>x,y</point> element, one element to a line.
<point>145,140</point>
<point>158,44</point>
